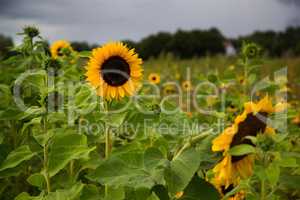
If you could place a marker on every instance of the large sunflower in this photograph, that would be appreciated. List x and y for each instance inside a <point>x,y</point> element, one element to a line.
<point>114,70</point>
<point>57,47</point>
<point>251,122</point>
<point>154,78</point>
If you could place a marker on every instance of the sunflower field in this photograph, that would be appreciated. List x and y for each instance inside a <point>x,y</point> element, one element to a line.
<point>106,125</point>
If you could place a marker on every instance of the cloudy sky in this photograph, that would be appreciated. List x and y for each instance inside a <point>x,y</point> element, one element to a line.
<point>104,20</point>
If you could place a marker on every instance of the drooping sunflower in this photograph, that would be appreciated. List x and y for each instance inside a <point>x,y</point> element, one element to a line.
<point>57,47</point>
<point>186,85</point>
<point>154,78</point>
<point>114,70</point>
<point>250,123</point>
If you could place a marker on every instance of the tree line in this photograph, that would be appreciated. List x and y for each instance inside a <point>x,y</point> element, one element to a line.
<point>198,43</point>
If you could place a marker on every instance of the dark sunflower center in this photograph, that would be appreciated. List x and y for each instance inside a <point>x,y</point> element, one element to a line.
<point>252,125</point>
<point>115,71</point>
<point>59,52</point>
<point>154,78</point>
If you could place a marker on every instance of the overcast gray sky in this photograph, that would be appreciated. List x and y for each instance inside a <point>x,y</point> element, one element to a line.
<point>105,20</point>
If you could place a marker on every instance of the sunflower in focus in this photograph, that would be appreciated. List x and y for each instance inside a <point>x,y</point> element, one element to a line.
<point>186,85</point>
<point>57,48</point>
<point>114,70</point>
<point>250,123</point>
<point>154,78</point>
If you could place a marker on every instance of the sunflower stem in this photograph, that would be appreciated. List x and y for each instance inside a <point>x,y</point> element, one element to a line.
<point>262,195</point>
<point>108,140</point>
<point>45,152</point>
<point>192,141</point>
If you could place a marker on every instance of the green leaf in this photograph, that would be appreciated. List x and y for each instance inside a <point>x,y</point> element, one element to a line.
<point>37,180</point>
<point>241,149</point>
<point>64,148</point>
<point>181,170</point>
<point>152,157</point>
<point>72,193</point>
<point>130,169</point>
<point>199,189</point>
<point>115,119</point>
<point>273,173</point>
<point>84,54</point>
<point>288,162</point>
<point>115,193</point>
<point>90,192</point>
<point>16,157</point>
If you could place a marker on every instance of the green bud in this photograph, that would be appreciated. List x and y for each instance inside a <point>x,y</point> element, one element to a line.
<point>251,50</point>
<point>31,31</point>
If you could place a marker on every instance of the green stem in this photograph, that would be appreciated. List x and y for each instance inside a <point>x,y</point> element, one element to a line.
<point>245,76</point>
<point>262,194</point>
<point>190,143</point>
<point>108,141</point>
<point>71,169</point>
<point>46,173</point>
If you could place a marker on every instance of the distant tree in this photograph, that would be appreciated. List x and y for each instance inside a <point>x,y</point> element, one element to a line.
<point>131,44</point>
<point>82,46</point>
<point>5,44</point>
<point>154,45</point>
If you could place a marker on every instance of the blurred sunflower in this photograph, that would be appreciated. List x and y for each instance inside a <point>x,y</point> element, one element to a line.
<point>296,120</point>
<point>250,123</point>
<point>154,78</point>
<point>58,46</point>
<point>114,70</point>
<point>169,89</point>
<point>186,85</point>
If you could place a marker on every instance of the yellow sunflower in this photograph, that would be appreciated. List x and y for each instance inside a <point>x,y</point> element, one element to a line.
<point>186,85</point>
<point>114,70</point>
<point>57,47</point>
<point>251,122</point>
<point>169,89</point>
<point>154,78</point>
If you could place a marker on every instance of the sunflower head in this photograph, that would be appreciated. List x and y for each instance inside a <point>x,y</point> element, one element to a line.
<point>114,70</point>
<point>251,50</point>
<point>186,85</point>
<point>250,123</point>
<point>31,31</point>
<point>154,78</point>
<point>60,48</point>
<point>169,89</point>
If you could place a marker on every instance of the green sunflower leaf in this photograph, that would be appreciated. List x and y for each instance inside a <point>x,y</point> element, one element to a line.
<point>241,149</point>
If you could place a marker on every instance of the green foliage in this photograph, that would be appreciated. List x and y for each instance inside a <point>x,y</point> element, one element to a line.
<point>65,144</point>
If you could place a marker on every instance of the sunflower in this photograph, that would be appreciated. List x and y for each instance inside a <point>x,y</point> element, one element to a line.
<point>154,78</point>
<point>250,123</point>
<point>296,120</point>
<point>186,85</point>
<point>169,89</point>
<point>57,47</point>
<point>114,70</point>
